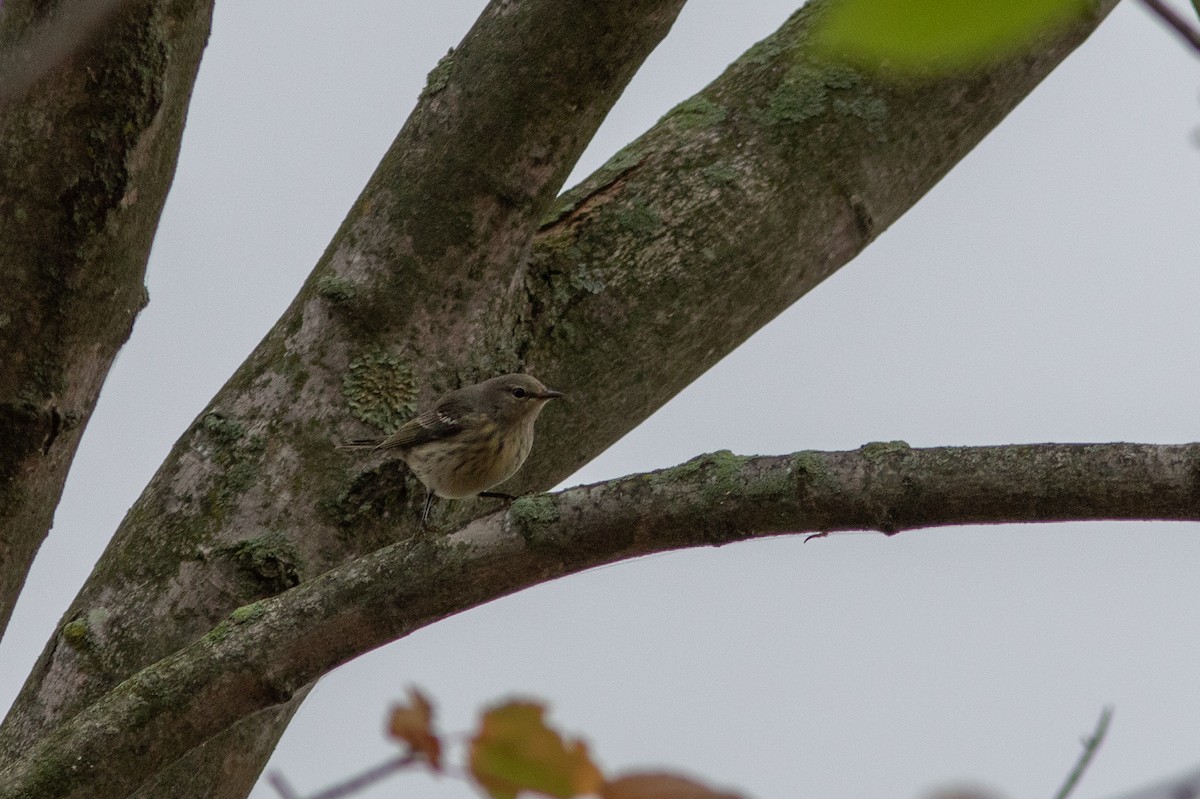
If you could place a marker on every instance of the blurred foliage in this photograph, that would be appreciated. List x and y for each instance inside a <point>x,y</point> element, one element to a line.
<point>413,724</point>
<point>515,752</point>
<point>938,36</point>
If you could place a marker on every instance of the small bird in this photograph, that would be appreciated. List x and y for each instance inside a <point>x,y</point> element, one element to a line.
<point>473,439</point>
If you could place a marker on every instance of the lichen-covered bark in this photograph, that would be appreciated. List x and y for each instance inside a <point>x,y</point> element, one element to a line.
<point>86,158</point>
<point>741,200</point>
<point>255,498</point>
<point>222,766</point>
<point>265,652</point>
<point>737,203</point>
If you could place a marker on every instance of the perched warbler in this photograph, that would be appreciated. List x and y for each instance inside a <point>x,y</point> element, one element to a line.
<point>473,438</point>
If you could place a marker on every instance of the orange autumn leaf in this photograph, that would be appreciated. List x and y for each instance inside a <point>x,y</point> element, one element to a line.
<point>413,724</point>
<point>515,751</point>
<point>659,786</point>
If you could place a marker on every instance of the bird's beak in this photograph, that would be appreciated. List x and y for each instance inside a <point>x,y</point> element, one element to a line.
<point>550,394</point>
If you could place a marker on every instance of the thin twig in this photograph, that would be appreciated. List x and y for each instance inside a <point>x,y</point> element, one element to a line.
<point>1184,28</point>
<point>1090,745</point>
<point>282,786</point>
<point>351,785</point>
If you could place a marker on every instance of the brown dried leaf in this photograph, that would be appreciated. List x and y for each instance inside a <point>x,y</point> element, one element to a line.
<point>658,785</point>
<point>413,724</point>
<point>515,751</point>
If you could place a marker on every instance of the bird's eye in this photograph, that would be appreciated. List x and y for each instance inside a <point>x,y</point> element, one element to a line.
<point>518,392</point>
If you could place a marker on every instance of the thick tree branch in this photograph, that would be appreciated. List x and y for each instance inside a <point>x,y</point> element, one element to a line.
<point>266,651</point>
<point>735,205</point>
<point>88,144</point>
<point>439,230</point>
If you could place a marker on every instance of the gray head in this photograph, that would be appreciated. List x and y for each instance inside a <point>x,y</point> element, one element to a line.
<point>511,399</point>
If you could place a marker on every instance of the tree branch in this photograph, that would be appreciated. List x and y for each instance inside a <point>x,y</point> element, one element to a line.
<point>450,212</point>
<point>737,203</point>
<point>351,785</point>
<point>1091,745</point>
<point>89,136</point>
<point>266,651</point>
<point>1188,32</point>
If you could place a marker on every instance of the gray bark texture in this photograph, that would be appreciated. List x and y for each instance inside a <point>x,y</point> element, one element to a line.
<point>456,264</point>
<point>86,157</point>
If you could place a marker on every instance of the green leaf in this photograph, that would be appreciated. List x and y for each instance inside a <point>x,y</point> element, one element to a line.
<point>924,36</point>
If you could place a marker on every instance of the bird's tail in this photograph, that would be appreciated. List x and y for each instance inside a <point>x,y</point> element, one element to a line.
<point>361,443</point>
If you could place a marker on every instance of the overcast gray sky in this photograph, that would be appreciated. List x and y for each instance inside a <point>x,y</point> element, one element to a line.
<point>1046,290</point>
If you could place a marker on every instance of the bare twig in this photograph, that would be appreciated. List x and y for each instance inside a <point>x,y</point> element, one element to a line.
<point>1090,745</point>
<point>1184,28</point>
<point>351,785</point>
<point>282,786</point>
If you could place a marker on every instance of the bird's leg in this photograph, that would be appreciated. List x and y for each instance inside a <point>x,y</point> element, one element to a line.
<point>497,495</point>
<point>428,502</point>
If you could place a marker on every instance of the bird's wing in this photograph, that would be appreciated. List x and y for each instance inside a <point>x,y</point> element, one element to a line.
<point>442,422</point>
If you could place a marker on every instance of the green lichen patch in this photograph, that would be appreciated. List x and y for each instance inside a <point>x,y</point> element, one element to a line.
<point>770,484</point>
<point>639,218</point>
<point>810,468</point>
<point>802,95</point>
<point>715,474</point>
<point>565,288</point>
<point>877,451</point>
<point>812,89</point>
<point>439,76</point>
<point>622,161</point>
<point>766,51</point>
<point>719,174</point>
<point>380,389</point>
<point>75,633</point>
<point>871,109</point>
<point>335,289</point>
<point>696,112</point>
<point>530,515</point>
<point>81,632</point>
<point>219,633</point>
<point>248,613</point>
<point>271,561</point>
<point>241,474</point>
<point>560,276</point>
<point>222,429</point>
<point>239,454</point>
<point>584,279</point>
